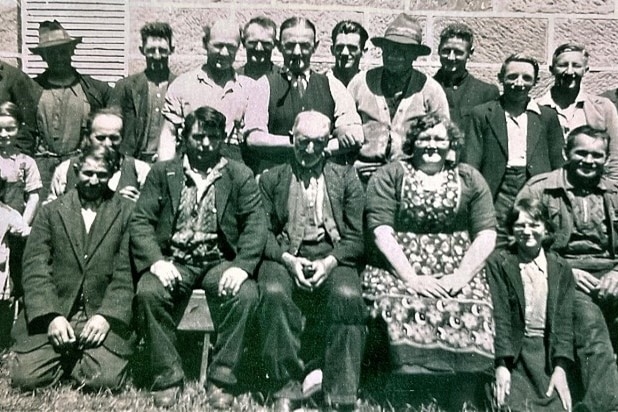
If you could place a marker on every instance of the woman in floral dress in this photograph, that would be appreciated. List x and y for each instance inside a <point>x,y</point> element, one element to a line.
<point>433,225</point>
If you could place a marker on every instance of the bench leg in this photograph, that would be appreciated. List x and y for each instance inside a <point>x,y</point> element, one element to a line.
<point>204,366</point>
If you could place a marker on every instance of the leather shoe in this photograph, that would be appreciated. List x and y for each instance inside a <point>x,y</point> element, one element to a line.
<point>219,398</point>
<point>166,398</point>
<point>284,405</point>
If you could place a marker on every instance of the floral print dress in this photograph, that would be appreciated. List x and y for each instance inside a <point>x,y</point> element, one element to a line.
<point>441,335</point>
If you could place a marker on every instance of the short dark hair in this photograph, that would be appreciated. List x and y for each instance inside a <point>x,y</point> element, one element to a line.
<point>111,111</point>
<point>569,47</point>
<point>519,57</point>
<point>588,131</point>
<point>157,29</point>
<point>205,117</point>
<point>458,30</point>
<point>350,27</point>
<point>421,123</point>
<point>261,21</point>
<point>109,156</point>
<point>537,211</point>
<point>8,108</point>
<point>207,29</point>
<point>298,21</point>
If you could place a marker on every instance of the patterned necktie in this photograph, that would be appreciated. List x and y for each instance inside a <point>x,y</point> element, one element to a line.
<point>300,83</point>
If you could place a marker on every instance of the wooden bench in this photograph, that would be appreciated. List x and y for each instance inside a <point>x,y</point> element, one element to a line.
<point>197,319</point>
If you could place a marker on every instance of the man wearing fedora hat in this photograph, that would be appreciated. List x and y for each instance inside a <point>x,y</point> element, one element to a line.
<point>65,100</point>
<point>388,97</point>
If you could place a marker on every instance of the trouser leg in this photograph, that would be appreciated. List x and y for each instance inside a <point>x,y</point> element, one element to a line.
<point>343,313</point>
<point>158,311</point>
<point>281,325</point>
<point>231,316</point>
<point>100,368</point>
<point>513,181</point>
<point>37,368</point>
<point>595,355</point>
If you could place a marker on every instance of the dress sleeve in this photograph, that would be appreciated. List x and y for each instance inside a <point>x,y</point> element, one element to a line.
<point>477,202</point>
<point>383,196</point>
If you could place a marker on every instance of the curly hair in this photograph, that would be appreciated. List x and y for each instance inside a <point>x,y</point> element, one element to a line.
<point>424,122</point>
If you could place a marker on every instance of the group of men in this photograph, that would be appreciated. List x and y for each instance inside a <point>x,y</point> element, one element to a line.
<point>162,197</point>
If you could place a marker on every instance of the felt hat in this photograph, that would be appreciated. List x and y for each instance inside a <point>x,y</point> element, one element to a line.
<point>405,30</point>
<point>52,34</point>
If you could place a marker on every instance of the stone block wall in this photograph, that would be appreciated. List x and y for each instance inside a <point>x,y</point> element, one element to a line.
<point>501,26</point>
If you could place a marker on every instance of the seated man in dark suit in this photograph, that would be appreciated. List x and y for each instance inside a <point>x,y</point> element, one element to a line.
<point>198,223</point>
<point>78,288</point>
<point>311,268</point>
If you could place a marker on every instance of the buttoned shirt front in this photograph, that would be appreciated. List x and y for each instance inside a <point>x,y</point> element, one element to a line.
<point>235,99</point>
<point>534,278</point>
<point>517,135</point>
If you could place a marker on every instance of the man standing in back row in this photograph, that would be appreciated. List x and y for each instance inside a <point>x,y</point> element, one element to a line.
<point>463,90</point>
<point>141,96</point>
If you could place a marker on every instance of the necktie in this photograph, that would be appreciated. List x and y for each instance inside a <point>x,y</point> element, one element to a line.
<point>301,84</point>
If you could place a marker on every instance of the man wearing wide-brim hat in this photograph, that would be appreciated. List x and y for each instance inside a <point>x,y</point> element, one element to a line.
<point>66,99</point>
<point>388,97</point>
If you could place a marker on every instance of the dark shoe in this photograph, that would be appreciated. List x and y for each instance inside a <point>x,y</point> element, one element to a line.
<point>166,398</point>
<point>284,405</point>
<point>219,398</point>
<point>340,407</point>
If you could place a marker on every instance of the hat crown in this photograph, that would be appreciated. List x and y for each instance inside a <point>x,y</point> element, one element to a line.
<point>51,33</point>
<point>405,26</point>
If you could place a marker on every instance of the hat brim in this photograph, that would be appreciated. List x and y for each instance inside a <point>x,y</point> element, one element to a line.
<point>421,49</point>
<point>55,43</point>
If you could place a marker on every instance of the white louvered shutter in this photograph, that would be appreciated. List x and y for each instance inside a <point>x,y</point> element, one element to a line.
<point>101,23</point>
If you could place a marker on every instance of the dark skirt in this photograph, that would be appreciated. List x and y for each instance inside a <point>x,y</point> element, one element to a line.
<point>530,380</point>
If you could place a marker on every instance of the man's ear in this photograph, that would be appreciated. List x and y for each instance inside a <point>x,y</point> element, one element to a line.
<point>291,134</point>
<point>141,50</point>
<point>471,51</point>
<point>315,45</point>
<point>76,168</point>
<point>332,49</point>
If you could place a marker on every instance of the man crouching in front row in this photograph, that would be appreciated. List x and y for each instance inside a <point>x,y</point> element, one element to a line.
<point>77,284</point>
<point>198,223</point>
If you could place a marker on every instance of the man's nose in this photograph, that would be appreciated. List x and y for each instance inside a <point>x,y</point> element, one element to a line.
<point>225,51</point>
<point>519,81</point>
<point>451,55</point>
<point>345,51</point>
<point>310,148</point>
<point>259,46</point>
<point>588,158</point>
<point>297,50</point>
<point>94,179</point>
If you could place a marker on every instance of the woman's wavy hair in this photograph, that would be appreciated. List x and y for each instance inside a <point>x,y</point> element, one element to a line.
<point>424,122</point>
<point>537,211</point>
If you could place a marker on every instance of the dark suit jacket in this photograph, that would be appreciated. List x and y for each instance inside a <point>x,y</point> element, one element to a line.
<point>240,217</point>
<point>17,87</point>
<point>61,260</point>
<point>507,293</point>
<point>470,92</point>
<point>97,92</point>
<point>131,95</point>
<point>347,199</point>
<point>486,144</point>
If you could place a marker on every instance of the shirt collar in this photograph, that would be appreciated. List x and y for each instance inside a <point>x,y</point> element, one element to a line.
<point>450,82</point>
<point>564,183</point>
<point>203,76</point>
<point>533,106</point>
<point>540,262</point>
<point>547,100</point>
<point>191,172</point>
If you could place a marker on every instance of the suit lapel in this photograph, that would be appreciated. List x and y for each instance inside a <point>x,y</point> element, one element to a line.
<point>73,223</point>
<point>282,193</point>
<point>512,270</point>
<point>140,93</point>
<point>497,123</point>
<point>534,133</point>
<point>222,192</point>
<point>333,184</point>
<point>175,180</point>
<point>553,284</point>
<point>108,212</point>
